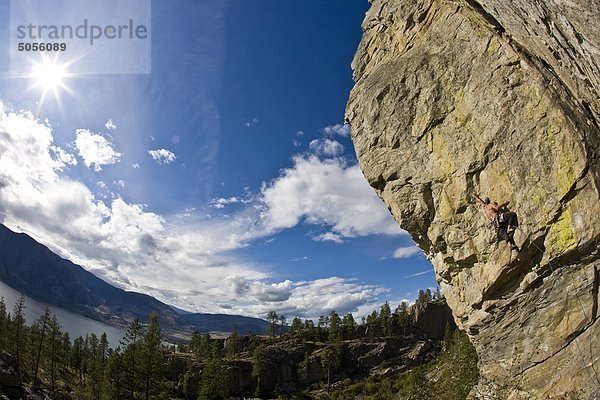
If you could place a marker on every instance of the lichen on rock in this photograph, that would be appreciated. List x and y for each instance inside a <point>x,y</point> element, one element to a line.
<point>454,98</point>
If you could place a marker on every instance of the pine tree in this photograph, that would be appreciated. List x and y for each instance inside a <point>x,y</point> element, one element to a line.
<point>323,326</point>
<point>385,318</point>
<point>272,319</point>
<point>335,323</point>
<point>152,357</point>
<point>331,359</point>
<point>348,326</point>
<point>205,347</point>
<point>43,324</point>
<point>191,385</point>
<point>3,325</point>
<point>77,357</point>
<point>260,367</point>
<point>95,368</point>
<point>459,361</point>
<point>19,332</point>
<point>130,353</point>
<point>404,318</point>
<point>321,323</point>
<point>372,324</point>
<point>195,343</point>
<point>233,346</point>
<point>104,346</point>
<point>282,324</point>
<point>55,345</point>
<point>65,354</point>
<point>309,330</point>
<point>214,382</point>
<point>115,377</point>
<point>296,325</point>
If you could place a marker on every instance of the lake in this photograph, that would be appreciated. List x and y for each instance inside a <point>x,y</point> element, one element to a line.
<point>75,324</point>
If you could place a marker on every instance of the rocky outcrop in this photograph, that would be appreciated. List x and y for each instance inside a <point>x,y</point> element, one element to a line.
<point>10,382</point>
<point>432,318</point>
<point>12,387</point>
<point>502,99</point>
<point>296,364</point>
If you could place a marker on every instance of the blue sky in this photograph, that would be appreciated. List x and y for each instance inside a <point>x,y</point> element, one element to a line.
<point>224,181</point>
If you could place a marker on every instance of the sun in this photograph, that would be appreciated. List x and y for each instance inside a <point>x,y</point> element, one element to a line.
<point>50,76</point>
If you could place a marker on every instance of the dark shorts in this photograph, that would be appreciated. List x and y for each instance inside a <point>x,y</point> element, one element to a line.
<point>508,218</point>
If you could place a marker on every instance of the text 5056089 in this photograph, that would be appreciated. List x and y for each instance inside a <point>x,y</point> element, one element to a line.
<point>41,46</point>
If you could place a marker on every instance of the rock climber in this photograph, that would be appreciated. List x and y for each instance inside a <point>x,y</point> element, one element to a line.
<point>505,222</point>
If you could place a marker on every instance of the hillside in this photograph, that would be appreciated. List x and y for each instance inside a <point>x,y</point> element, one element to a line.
<point>412,351</point>
<point>33,269</point>
<point>499,99</point>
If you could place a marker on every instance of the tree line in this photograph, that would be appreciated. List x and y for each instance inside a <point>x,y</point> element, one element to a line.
<point>45,358</point>
<point>333,327</point>
<point>142,366</point>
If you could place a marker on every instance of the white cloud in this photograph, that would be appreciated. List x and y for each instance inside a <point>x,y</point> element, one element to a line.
<point>25,146</point>
<point>162,156</point>
<point>95,149</point>
<point>338,129</point>
<point>274,292</point>
<point>123,243</point>
<point>296,143</point>
<point>254,121</point>
<point>419,273</point>
<point>135,166</point>
<point>63,156</point>
<point>187,261</point>
<point>326,147</point>
<point>222,202</point>
<point>322,296</point>
<point>329,237</point>
<point>110,125</point>
<point>325,192</point>
<point>406,252</point>
<point>296,259</point>
<point>307,299</point>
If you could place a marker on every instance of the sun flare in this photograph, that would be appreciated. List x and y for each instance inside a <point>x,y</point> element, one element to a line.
<point>49,75</point>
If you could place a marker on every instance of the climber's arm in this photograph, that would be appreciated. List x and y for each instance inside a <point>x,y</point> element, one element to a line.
<point>478,199</point>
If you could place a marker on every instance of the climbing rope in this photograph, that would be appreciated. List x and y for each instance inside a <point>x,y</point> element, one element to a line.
<point>590,323</point>
<point>595,376</point>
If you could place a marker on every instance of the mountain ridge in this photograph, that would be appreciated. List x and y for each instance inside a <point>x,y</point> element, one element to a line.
<point>32,268</point>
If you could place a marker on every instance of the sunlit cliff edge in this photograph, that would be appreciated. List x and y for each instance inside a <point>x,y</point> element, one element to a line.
<point>501,99</point>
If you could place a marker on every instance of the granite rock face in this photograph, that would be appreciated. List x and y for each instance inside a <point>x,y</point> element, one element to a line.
<point>499,98</point>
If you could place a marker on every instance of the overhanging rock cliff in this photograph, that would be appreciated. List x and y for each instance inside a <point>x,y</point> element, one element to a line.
<point>502,99</point>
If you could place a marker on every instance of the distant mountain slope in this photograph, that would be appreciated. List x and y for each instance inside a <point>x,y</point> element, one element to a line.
<point>33,269</point>
<point>224,323</point>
